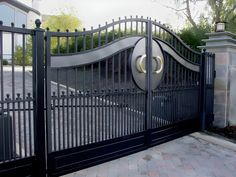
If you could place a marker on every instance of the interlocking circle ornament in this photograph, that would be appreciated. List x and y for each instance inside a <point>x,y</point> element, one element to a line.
<point>159,64</point>
<point>138,64</point>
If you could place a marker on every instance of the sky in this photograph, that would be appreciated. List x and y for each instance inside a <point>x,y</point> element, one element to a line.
<point>95,12</point>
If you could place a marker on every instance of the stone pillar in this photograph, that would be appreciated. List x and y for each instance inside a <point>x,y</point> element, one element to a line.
<point>223,44</point>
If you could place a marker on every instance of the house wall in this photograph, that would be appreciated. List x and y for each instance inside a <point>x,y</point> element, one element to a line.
<point>10,14</point>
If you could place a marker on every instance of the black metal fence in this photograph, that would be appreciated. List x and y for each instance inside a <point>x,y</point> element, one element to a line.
<point>93,99</point>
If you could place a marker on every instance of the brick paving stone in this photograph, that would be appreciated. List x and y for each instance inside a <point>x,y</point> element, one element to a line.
<point>183,157</point>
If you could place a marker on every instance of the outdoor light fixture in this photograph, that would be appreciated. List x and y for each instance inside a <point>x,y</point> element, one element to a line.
<point>220,26</point>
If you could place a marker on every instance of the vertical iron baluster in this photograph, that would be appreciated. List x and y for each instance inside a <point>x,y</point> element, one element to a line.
<point>99,99</point>
<point>171,87</point>
<point>3,134</point>
<point>30,124</point>
<point>54,119</point>
<point>58,110</point>
<point>9,128</point>
<point>67,41</point>
<point>23,83</point>
<point>72,118</point>
<point>84,115</point>
<point>103,120</point>
<point>106,74</point>
<point>134,110</point>
<point>141,26</point>
<point>109,113</point>
<point>119,29</point>
<point>112,116</point>
<point>76,108</point>
<point>125,73</point>
<point>113,30</point>
<point>67,110</point>
<point>1,65</point>
<point>155,29</point>
<point>58,42</point>
<point>125,32</point>
<point>13,87</point>
<point>99,35</point>
<point>88,96</point>
<point>116,111</point>
<point>106,34</point>
<point>80,118</point>
<point>105,114</point>
<point>119,71</point>
<point>84,40</point>
<point>63,119</point>
<point>18,100</point>
<point>76,41</point>
<point>92,106</point>
<point>131,111</point>
<point>95,116</point>
<point>136,23</point>
<point>122,111</point>
<point>119,112</point>
<point>91,40</point>
<point>131,25</point>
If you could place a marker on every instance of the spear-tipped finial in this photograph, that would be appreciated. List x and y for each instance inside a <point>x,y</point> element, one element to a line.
<point>37,23</point>
<point>12,24</point>
<point>1,23</point>
<point>23,25</point>
<point>47,29</point>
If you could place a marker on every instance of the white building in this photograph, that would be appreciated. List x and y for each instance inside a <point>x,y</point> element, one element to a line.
<point>13,11</point>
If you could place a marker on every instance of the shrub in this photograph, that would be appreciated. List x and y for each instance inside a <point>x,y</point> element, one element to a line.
<point>18,55</point>
<point>5,62</point>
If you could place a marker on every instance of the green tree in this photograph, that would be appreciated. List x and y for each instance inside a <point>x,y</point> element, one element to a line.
<point>27,58</point>
<point>63,22</point>
<point>195,29</point>
<point>193,36</point>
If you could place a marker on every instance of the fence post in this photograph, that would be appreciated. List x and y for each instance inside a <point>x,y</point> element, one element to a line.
<point>148,83</point>
<point>38,92</point>
<point>203,90</point>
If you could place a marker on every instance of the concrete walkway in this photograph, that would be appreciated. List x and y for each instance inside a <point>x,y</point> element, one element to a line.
<point>195,155</point>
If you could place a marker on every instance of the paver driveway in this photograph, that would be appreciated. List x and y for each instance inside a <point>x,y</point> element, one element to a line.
<point>188,156</point>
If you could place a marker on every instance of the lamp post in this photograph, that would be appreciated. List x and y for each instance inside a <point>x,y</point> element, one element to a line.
<point>220,26</point>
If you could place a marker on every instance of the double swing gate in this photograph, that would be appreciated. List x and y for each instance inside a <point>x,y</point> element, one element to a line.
<point>99,94</point>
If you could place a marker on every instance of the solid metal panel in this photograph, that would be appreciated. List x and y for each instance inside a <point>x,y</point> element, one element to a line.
<point>181,60</point>
<point>139,75</point>
<point>94,55</point>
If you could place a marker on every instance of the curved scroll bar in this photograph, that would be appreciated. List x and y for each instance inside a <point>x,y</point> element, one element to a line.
<point>94,55</point>
<point>181,60</point>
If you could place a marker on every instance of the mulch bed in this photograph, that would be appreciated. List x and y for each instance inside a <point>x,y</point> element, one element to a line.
<point>229,132</point>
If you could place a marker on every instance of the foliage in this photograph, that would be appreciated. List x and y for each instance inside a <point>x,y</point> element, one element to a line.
<point>5,62</point>
<point>62,22</point>
<point>87,41</point>
<point>18,55</point>
<point>218,10</point>
<point>193,36</point>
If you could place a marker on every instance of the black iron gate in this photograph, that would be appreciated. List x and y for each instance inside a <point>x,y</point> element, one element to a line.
<point>109,92</point>
<point>118,89</point>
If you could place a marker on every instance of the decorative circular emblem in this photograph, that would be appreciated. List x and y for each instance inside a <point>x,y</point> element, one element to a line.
<point>138,64</point>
